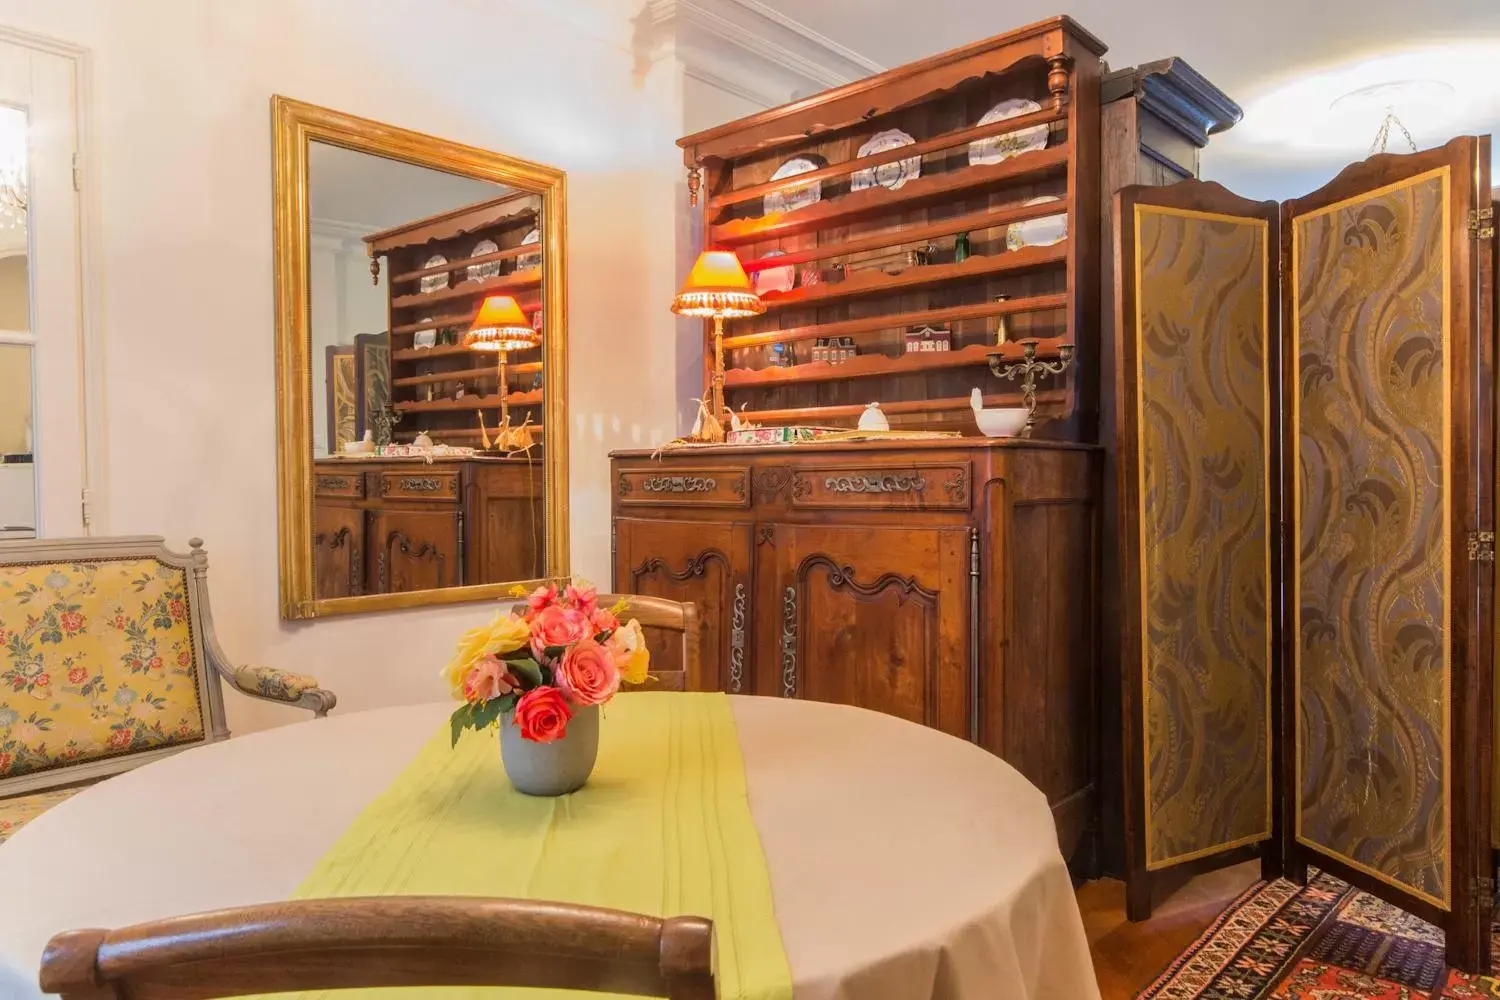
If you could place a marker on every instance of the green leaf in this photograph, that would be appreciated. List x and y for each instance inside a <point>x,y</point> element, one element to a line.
<point>486,714</point>
<point>527,669</point>
<point>460,720</point>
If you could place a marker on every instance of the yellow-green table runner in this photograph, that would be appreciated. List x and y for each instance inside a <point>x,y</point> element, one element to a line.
<point>663,827</point>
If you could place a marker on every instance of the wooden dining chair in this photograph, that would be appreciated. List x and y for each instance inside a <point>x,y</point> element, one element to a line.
<point>675,659</point>
<point>361,943</point>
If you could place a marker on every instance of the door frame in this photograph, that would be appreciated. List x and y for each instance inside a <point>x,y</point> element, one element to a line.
<point>93,434</point>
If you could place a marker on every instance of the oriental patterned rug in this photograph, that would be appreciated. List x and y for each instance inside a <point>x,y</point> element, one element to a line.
<point>1325,942</point>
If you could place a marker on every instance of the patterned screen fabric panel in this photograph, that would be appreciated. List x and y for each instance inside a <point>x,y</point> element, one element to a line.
<point>1205,539</point>
<point>1370,579</point>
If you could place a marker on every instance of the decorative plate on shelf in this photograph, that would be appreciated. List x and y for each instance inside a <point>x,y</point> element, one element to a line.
<point>887,175</point>
<point>1003,147</point>
<point>1043,232</point>
<point>774,279</point>
<point>526,262</point>
<point>425,338</point>
<point>490,269</point>
<point>797,197</point>
<point>433,282</point>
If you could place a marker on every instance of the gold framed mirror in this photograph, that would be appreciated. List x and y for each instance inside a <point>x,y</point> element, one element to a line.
<point>421,367</point>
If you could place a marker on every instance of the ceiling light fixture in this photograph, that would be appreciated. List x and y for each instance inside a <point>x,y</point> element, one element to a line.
<point>1438,91</point>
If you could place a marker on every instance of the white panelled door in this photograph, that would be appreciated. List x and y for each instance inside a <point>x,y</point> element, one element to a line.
<point>41,295</point>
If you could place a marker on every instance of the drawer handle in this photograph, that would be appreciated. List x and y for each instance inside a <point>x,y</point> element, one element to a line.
<point>679,484</point>
<point>417,485</point>
<point>890,483</point>
<point>335,483</point>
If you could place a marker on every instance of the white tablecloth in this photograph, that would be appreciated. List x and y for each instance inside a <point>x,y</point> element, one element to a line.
<point>905,864</point>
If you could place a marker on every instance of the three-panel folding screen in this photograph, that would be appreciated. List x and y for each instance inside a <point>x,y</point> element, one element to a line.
<point>1307,472</point>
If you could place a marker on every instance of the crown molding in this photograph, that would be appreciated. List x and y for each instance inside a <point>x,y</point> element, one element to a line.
<point>748,49</point>
<point>337,234</point>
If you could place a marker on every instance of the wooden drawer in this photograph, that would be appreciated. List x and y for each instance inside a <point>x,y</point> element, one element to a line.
<point>676,486</point>
<point>940,486</point>
<point>339,484</point>
<point>425,484</point>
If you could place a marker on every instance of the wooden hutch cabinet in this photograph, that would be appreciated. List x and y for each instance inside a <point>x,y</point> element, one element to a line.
<point>389,525</point>
<point>913,235</point>
<point>946,582</point>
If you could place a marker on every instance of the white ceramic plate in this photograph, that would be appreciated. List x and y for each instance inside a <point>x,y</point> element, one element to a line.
<point>1043,232</point>
<point>530,260</point>
<point>774,279</point>
<point>887,175</point>
<point>1002,147</point>
<point>482,272</point>
<point>798,197</point>
<point>433,282</point>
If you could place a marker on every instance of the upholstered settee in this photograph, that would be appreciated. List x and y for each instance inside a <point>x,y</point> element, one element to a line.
<point>108,660</point>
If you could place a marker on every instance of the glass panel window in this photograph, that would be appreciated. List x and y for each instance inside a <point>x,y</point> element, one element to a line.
<point>18,511</point>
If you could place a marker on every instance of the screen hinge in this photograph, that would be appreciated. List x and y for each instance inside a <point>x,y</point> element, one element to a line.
<point>86,511</point>
<point>1481,546</point>
<point>1481,887</point>
<point>77,181</point>
<point>1482,223</point>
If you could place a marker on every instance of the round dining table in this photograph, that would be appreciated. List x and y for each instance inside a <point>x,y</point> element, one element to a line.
<point>904,864</point>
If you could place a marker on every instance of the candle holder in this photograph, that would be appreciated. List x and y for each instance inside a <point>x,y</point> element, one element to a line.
<point>1027,370</point>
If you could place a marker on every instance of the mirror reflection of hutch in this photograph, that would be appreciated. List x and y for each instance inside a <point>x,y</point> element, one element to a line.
<point>391,525</point>
<point>948,581</point>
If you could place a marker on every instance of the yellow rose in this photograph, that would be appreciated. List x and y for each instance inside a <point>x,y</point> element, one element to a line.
<point>505,634</point>
<point>628,645</point>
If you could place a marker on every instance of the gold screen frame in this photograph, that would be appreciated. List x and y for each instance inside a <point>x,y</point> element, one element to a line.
<point>295,124</point>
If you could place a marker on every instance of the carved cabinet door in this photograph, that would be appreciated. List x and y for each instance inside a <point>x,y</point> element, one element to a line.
<point>338,550</point>
<point>871,616</point>
<point>414,550</point>
<point>707,563</point>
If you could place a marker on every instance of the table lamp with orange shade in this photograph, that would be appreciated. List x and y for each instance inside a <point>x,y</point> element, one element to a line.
<point>718,289</point>
<point>502,327</point>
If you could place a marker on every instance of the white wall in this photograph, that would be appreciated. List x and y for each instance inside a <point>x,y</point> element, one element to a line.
<point>180,101</point>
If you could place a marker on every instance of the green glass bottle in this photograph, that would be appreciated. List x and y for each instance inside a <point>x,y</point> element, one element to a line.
<point>961,248</point>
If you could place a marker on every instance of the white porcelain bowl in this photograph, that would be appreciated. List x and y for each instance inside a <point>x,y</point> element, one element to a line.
<point>1001,421</point>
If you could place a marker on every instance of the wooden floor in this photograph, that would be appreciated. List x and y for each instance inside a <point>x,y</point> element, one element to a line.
<point>1127,957</point>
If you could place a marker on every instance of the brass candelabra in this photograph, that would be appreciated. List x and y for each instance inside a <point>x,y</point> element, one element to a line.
<point>1028,369</point>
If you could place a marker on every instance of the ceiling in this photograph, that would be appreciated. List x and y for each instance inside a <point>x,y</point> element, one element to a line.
<point>366,193</point>
<point>1247,49</point>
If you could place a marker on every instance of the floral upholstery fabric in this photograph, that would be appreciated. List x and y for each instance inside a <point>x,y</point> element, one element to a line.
<point>22,809</point>
<point>272,683</point>
<point>96,660</point>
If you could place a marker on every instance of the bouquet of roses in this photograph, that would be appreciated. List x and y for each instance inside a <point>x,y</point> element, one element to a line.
<point>563,651</point>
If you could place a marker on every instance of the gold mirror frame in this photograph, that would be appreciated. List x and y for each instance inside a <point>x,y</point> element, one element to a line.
<point>294,125</point>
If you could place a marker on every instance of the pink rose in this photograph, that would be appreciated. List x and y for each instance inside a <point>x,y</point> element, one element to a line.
<point>120,738</point>
<point>582,596</point>
<point>489,679</point>
<point>602,621</point>
<point>77,676</point>
<point>556,625</point>
<point>542,597</point>
<point>71,621</point>
<point>6,759</point>
<point>588,673</point>
<point>542,715</point>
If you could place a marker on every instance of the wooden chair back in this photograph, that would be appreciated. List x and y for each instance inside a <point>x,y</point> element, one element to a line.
<point>675,662</point>
<point>675,665</point>
<point>362,943</point>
